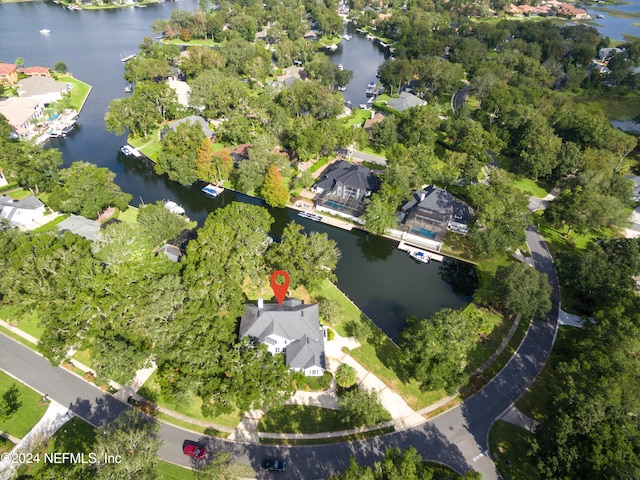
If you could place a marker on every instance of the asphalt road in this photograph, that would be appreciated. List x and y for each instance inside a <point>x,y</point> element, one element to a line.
<point>457,437</point>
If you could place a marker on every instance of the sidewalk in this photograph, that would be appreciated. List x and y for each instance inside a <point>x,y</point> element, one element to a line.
<point>55,416</point>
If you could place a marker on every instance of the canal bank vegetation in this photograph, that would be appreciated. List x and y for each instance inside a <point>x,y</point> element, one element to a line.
<point>406,464</point>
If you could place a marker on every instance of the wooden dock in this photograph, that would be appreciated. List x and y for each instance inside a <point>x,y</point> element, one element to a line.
<point>409,249</point>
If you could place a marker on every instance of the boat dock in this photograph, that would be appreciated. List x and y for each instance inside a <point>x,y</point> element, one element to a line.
<point>409,249</point>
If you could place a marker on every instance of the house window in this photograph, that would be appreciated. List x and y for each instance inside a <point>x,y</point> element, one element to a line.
<point>278,350</point>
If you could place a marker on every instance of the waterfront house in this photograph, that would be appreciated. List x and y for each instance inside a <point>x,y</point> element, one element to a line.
<point>292,329</point>
<point>376,117</point>
<point>84,227</point>
<point>311,35</point>
<point>21,114</point>
<point>425,218</point>
<point>342,190</point>
<point>8,74</point>
<point>35,72</point>
<point>43,89</point>
<point>405,101</point>
<point>197,119</point>
<point>3,179</point>
<point>21,213</point>
<point>605,54</point>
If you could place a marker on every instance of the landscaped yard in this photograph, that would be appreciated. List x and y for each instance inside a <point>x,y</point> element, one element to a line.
<point>169,471</point>
<point>377,352</point>
<point>28,414</point>
<point>79,90</point>
<point>27,322</point>
<point>302,419</point>
<point>191,407</point>
<point>509,447</point>
<point>490,344</point>
<point>531,187</point>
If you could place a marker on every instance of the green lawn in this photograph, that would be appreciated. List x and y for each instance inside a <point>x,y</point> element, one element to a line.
<point>83,356</point>
<point>509,447</point>
<point>18,193</point>
<point>377,352</point>
<point>531,187</point>
<point>302,419</point>
<point>53,224</point>
<point>29,413</point>
<point>79,91</point>
<point>130,215</point>
<point>27,322</point>
<point>615,107</point>
<point>169,471</point>
<point>5,445</point>
<point>485,348</point>
<point>502,359</point>
<point>192,408</point>
<point>357,118</point>
<point>560,240</point>
<point>534,402</point>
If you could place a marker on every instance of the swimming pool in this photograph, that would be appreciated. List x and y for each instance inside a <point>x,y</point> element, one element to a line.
<point>424,232</point>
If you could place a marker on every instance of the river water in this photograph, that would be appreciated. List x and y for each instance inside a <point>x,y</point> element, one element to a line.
<point>383,281</point>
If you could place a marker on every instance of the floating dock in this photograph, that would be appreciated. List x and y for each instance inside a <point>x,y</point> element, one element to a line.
<point>409,249</point>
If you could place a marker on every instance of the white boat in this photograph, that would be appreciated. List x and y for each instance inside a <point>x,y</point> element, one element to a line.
<point>130,151</point>
<point>173,207</point>
<point>128,88</point>
<point>311,216</point>
<point>45,31</point>
<point>599,15</point>
<point>342,88</point>
<point>371,99</point>
<point>212,191</point>
<point>347,37</point>
<point>420,256</point>
<point>369,37</point>
<point>340,67</point>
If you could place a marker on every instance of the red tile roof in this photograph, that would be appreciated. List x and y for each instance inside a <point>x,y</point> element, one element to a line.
<point>7,68</point>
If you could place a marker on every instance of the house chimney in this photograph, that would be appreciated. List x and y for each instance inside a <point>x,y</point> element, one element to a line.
<point>423,195</point>
<point>260,303</point>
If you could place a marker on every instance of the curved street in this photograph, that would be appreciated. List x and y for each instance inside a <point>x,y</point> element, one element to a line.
<point>458,437</point>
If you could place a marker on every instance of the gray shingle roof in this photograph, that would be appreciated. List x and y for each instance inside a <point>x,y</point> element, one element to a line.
<point>405,101</point>
<point>192,118</point>
<point>294,321</point>
<point>440,201</point>
<point>348,174</point>
<point>35,86</point>
<point>28,203</point>
<point>80,226</point>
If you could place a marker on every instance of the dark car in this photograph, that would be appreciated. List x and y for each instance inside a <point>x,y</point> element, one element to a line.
<point>273,465</point>
<point>194,449</point>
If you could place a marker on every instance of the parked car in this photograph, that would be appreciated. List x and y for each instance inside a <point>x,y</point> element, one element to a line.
<point>273,465</point>
<point>193,449</point>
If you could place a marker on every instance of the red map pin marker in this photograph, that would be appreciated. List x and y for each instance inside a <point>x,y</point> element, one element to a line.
<point>280,289</point>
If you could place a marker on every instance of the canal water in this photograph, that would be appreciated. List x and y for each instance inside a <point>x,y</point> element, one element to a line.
<point>383,281</point>
<point>362,57</point>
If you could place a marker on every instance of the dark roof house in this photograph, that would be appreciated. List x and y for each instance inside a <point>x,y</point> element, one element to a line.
<point>432,211</point>
<point>343,188</point>
<point>292,328</point>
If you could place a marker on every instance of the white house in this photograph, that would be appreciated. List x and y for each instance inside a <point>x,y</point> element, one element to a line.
<point>20,113</point>
<point>21,213</point>
<point>292,328</point>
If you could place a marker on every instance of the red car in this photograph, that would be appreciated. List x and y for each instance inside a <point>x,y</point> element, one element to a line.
<point>194,450</point>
